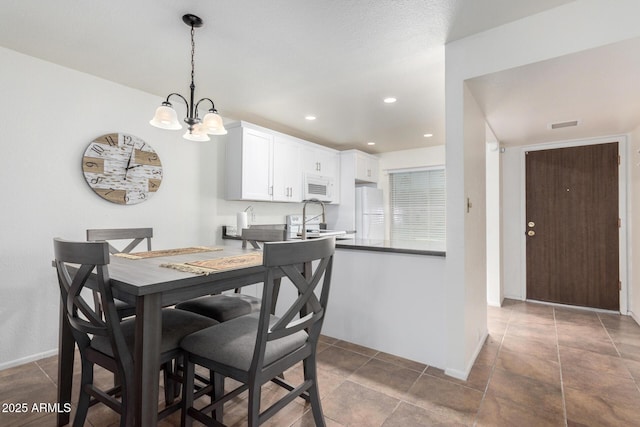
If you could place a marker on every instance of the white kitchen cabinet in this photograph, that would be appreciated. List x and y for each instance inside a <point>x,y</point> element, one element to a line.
<point>321,161</point>
<point>262,166</point>
<point>366,167</point>
<point>287,173</point>
<point>321,164</point>
<point>359,166</point>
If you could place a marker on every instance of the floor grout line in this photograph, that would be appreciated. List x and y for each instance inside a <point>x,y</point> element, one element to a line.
<point>509,320</point>
<point>564,400</point>
<point>493,368</point>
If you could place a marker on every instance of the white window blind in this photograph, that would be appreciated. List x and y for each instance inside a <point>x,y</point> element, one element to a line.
<point>418,199</point>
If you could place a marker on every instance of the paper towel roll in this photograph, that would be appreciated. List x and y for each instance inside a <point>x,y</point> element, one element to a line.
<point>242,222</point>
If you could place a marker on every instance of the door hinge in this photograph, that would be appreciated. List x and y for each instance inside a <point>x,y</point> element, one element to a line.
<point>619,160</point>
<point>619,223</point>
<point>619,285</point>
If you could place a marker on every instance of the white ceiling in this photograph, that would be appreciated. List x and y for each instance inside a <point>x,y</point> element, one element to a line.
<point>598,88</point>
<point>274,62</point>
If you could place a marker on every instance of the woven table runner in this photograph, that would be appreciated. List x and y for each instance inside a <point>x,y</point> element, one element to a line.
<point>218,264</point>
<point>168,252</point>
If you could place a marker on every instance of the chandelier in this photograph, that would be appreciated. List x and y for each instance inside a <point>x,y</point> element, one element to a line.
<point>199,129</point>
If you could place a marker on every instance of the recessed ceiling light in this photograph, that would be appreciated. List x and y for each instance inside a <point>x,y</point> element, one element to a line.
<point>428,135</point>
<point>310,117</point>
<point>371,143</point>
<point>389,100</point>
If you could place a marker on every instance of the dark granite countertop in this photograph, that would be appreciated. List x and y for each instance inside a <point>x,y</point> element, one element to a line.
<point>418,248</point>
<point>406,247</point>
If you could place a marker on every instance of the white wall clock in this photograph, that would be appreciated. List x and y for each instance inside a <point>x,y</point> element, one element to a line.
<point>122,168</point>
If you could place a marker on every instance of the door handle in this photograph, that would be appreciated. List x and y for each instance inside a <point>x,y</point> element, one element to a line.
<point>531,233</point>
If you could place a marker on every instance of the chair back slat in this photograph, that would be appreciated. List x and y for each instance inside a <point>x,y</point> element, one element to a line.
<point>75,301</point>
<point>136,235</point>
<point>307,264</point>
<point>79,264</point>
<point>287,253</point>
<point>306,293</point>
<point>255,236</point>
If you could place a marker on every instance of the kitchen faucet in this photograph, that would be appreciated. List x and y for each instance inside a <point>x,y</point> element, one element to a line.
<point>304,216</point>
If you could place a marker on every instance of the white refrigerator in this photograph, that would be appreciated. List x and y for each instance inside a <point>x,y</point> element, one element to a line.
<point>369,213</point>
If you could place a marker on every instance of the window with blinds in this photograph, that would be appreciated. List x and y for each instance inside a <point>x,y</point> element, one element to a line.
<point>418,205</point>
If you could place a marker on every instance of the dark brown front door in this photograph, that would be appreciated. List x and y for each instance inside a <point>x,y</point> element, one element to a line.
<point>572,225</point>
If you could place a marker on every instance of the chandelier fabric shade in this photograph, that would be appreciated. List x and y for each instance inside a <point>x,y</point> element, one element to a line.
<point>198,129</point>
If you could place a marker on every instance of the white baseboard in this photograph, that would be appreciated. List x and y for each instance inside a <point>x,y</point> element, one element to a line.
<point>31,358</point>
<point>494,303</point>
<point>634,317</point>
<point>463,375</point>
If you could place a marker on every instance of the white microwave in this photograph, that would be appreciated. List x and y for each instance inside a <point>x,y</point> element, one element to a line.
<point>318,187</point>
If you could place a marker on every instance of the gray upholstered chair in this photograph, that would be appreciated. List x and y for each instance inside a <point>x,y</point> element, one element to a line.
<point>133,238</point>
<point>224,307</point>
<point>102,338</point>
<point>254,349</point>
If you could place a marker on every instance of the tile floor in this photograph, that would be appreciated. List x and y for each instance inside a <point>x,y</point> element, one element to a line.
<point>541,365</point>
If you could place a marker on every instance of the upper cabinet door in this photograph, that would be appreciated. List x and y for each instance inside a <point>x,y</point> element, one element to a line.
<point>287,172</point>
<point>249,164</point>
<point>321,162</point>
<point>366,168</point>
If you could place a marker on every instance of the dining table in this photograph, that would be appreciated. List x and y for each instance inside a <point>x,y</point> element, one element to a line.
<point>151,281</point>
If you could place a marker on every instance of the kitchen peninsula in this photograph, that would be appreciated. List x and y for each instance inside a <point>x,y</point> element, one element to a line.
<point>385,297</point>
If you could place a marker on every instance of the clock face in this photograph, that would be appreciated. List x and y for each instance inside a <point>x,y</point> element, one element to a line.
<point>122,168</point>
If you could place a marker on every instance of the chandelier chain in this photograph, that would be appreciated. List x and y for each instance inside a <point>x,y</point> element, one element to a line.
<point>193,53</point>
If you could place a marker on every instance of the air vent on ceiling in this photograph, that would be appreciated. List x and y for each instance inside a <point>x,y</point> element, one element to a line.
<point>561,125</point>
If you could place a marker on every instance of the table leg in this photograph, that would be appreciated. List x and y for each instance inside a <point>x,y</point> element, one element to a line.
<point>147,359</point>
<point>66,349</point>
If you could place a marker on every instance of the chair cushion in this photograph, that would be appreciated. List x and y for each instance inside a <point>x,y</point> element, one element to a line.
<point>222,307</point>
<point>124,309</point>
<point>232,343</point>
<point>176,324</point>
